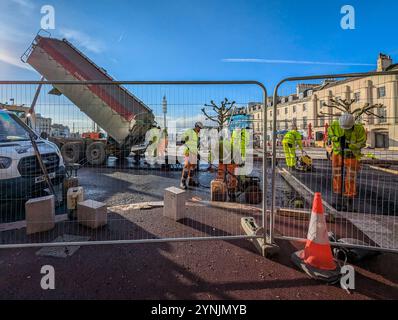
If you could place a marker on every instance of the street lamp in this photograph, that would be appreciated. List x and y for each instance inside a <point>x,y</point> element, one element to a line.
<point>164,105</point>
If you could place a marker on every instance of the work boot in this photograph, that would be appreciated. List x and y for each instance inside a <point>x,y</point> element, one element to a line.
<point>232,196</point>
<point>183,185</point>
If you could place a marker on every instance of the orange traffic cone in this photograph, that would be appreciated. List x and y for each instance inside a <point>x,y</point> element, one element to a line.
<point>317,259</point>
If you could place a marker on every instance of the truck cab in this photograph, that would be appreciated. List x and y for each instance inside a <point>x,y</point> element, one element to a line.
<point>20,174</point>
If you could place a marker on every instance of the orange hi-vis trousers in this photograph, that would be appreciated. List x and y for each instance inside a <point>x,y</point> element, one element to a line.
<point>188,170</point>
<point>351,169</point>
<point>232,181</point>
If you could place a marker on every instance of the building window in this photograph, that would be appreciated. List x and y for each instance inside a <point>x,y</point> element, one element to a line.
<point>286,110</point>
<point>277,112</point>
<point>304,122</point>
<point>321,121</point>
<point>294,121</point>
<point>382,112</point>
<point>294,109</point>
<point>357,96</point>
<point>381,92</point>
<point>304,107</point>
<point>286,124</point>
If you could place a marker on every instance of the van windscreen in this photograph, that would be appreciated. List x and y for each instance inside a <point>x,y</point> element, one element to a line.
<point>12,129</point>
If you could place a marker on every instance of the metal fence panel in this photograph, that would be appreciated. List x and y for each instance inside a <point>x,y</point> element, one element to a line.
<point>369,219</point>
<point>85,119</point>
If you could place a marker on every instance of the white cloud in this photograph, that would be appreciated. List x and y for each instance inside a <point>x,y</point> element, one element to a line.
<point>27,4</point>
<point>16,62</point>
<point>13,34</point>
<point>83,39</point>
<point>184,122</point>
<point>275,61</point>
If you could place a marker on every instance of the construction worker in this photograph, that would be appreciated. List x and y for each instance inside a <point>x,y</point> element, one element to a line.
<point>226,167</point>
<point>191,140</point>
<point>240,140</point>
<point>348,138</point>
<point>290,141</point>
<point>235,155</point>
<point>152,139</point>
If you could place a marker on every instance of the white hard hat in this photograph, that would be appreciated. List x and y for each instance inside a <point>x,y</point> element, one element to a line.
<point>199,125</point>
<point>346,121</point>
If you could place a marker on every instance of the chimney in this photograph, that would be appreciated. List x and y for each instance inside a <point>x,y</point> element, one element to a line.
<point>383,62</point>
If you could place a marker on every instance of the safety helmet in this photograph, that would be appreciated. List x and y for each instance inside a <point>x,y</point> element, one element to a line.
<point>346,121</point>
<point>199,125</point>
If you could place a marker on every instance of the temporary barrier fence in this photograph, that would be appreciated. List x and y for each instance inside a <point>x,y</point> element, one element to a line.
<point>103,130</point>
<point>365,218</point>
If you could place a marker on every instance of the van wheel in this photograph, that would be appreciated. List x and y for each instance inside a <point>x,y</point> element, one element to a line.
<point>95,153</point>
<point>72,152</point>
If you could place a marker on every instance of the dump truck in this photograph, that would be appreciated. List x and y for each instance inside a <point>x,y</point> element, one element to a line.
<point>124,117</point>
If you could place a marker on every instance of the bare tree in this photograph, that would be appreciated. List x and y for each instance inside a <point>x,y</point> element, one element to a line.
<point>344,106</point>
<point>220,114</point>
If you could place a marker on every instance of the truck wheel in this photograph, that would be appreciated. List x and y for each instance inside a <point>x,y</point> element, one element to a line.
<point>72,152</point>
<point>95,153</point>
<point>253,194</point>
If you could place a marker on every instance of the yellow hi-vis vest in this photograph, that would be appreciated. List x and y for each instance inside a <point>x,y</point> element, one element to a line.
<point>191,139</point>
<point>355,139</point>
<point>152,137</point>
<point>293,137</point>
<point>240,144</point>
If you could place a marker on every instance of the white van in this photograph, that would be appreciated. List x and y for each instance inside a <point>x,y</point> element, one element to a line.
<point>20,174</point>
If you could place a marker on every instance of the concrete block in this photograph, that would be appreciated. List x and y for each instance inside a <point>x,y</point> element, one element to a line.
<point>92,214</point>
<point>174,203</point>
<point>40,214</point>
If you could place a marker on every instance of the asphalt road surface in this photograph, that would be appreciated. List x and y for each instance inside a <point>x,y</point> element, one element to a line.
<point>377,191</point>
<point>121,185</point>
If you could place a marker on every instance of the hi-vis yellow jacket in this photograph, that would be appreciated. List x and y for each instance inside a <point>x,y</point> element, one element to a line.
<point>294,138</point>
<point>191,139</point>
<point>355,139</point>
<point>240,143</point>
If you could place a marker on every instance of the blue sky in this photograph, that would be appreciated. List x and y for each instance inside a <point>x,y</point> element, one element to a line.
<point>179,39</point>
<point>191,40</point>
